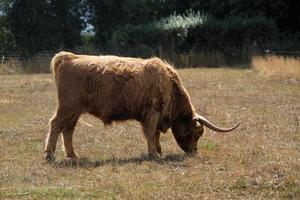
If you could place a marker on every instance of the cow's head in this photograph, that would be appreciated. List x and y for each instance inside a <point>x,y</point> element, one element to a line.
<point>188,129</point>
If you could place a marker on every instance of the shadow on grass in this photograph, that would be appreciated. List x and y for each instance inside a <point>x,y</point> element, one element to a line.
<point>86,163</point>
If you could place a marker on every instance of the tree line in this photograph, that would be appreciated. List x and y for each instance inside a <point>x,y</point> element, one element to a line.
<point>144,27</point>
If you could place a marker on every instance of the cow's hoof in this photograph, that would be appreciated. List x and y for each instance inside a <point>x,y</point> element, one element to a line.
<point>50,158</point>
<point>191,154</point>
<point>155,156</point>
<point>72,161</point>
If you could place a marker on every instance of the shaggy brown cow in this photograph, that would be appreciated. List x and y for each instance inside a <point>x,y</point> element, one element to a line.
<point>119,88</point>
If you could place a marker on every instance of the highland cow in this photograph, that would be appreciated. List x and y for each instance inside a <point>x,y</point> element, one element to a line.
<point>120,88</point>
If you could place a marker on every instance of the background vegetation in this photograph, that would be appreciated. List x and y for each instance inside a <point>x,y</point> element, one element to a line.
<point>228,31</point>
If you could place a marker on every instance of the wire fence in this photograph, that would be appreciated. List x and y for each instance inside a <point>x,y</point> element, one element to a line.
<point>283,53</point>
<point>15,62</point>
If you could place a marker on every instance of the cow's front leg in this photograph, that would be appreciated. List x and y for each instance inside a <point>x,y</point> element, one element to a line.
<point>150,132</point>
<point>157,143</point>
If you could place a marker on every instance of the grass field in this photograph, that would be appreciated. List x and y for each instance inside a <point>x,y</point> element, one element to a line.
<point>260,160</point>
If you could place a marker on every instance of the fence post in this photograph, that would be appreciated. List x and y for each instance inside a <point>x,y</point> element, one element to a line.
<point>173,50</point>
<point>2,61</point>
<point>160,51</point>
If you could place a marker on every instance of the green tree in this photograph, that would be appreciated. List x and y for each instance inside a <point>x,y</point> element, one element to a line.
<point>284,12</point>
<point>4,6</point>
<point>39,25</point>
<point>28,24</point>
<point>111,15</point>
<point>67,22</point>
<point>6,38</point>
<point>107,17</point>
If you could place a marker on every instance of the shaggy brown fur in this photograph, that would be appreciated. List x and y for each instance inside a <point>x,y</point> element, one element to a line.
<point>119,88</point>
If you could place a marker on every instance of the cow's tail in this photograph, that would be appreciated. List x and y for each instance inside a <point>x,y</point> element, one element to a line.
<point>59,59</point>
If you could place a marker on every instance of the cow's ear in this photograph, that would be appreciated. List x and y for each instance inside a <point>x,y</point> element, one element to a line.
<point>196,122</point>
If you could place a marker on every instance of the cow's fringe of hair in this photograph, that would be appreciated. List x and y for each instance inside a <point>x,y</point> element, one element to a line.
<point>60,58</point>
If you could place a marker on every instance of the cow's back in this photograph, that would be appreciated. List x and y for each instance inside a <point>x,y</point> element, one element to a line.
<point>118,88</point>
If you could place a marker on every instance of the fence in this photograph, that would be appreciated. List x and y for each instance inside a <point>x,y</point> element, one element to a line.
<point>12,62</point>
<point>15,62</point>
<point>294,54</point>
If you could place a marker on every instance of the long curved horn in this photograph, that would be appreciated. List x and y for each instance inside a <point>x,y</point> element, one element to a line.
<point>208,124</point>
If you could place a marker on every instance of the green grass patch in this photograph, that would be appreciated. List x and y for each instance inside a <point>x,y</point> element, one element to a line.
<point>208,146</point>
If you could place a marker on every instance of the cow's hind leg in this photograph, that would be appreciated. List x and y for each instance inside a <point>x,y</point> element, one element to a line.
<point>64,120</point>
<point>68,131</point>
<point>54,131</point>
<point>150,131</point>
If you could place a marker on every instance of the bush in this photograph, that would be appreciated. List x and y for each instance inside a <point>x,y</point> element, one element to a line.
<point>181,24</point>
<point>6,37</point>
<point>287,41</point>
<point>126,39</point>
<point>173,28</point>
<point>236,38</point>
<point>233,33</point>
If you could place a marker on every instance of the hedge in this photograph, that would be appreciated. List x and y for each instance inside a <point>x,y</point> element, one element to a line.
<point>196,32</point>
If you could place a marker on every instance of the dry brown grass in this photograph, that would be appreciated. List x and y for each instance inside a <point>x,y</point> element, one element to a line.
<point>277,66</point>
<point>18,65</point>
<point>261,160</point>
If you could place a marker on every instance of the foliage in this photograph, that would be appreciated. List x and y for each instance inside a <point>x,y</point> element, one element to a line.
<point>107,16</point>
<point>194,31</point>
<point>112,15</point>
<point>159,32</point>
<point>234,32</point>
<point>4,6</point>
<point>6,37</point>
<point>131,26</point>
<point>235,37</point>
<point>286,41</point>
<point>43,25</point>
<point>67,21</point>
<point>182,23</point>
